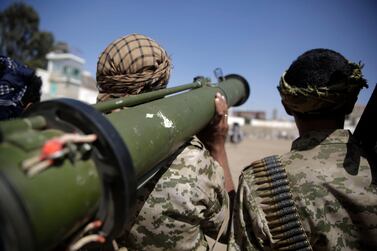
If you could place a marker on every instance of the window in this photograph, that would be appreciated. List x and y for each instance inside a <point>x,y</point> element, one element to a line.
<point>65,70</point>
<point>76,73</point>
<point>53,89</point>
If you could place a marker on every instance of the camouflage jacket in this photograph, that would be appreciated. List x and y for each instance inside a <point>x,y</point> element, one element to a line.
<point>184,202</point>
<point>331,186</point>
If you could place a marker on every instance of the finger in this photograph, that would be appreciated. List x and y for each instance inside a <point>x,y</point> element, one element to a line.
<point>218,104</point>
<point>223,123</point>
<point>222,97</point>
<point>221,112</point>
<point>221,105</point>
<point>219,95</point>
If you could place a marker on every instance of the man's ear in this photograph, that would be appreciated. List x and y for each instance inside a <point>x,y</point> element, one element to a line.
<point>286,108</point>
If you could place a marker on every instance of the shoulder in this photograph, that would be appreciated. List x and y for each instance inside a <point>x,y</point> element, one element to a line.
<point>196,160</point>
<point>191,175</point>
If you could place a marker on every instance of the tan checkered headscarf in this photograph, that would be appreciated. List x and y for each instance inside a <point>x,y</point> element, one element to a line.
<point>131,65</point>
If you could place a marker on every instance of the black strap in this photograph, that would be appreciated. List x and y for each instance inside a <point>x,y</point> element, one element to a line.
<point>366,133</point>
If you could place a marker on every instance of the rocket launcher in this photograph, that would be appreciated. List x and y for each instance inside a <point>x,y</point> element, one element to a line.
<point>69,171</point>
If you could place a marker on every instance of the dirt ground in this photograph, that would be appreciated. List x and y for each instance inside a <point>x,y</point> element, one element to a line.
<point>242,154</point>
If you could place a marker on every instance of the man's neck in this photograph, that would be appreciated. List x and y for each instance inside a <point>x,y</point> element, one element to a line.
<point>305,125</point>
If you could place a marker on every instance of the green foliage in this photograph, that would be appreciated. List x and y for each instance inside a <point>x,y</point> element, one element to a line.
<point>20,37</point>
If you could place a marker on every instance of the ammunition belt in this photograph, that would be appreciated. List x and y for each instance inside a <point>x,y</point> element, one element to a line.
<point>281,213</point>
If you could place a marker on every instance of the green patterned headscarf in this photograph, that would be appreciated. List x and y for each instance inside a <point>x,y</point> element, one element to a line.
<point>313,100</point>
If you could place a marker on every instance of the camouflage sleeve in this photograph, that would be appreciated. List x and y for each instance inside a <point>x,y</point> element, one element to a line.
<point>338,210</point>
<point>188,202</point>
<point>249,229</point>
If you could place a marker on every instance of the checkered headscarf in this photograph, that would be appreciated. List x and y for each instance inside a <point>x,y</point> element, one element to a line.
<point>13,84</point>
<point>131,65</point>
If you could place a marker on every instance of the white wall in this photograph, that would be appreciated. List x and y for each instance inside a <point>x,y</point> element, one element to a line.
<point>88,96</point>
<point>272,123</point>
<point>44,75</point>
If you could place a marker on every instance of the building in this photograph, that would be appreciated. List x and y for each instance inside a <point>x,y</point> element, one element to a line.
<point>249,115</point>
<point>66,77</point>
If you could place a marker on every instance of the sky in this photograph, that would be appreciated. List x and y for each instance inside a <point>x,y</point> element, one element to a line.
<point>257,39</point>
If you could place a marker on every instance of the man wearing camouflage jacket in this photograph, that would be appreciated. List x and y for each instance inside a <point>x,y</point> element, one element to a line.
<point>188,198</point>
<point>319,195</point>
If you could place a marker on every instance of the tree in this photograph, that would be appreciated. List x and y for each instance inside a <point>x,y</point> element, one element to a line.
<point>20,37</point>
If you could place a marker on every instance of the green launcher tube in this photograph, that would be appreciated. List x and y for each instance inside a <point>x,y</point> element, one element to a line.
<point>99,179</point>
